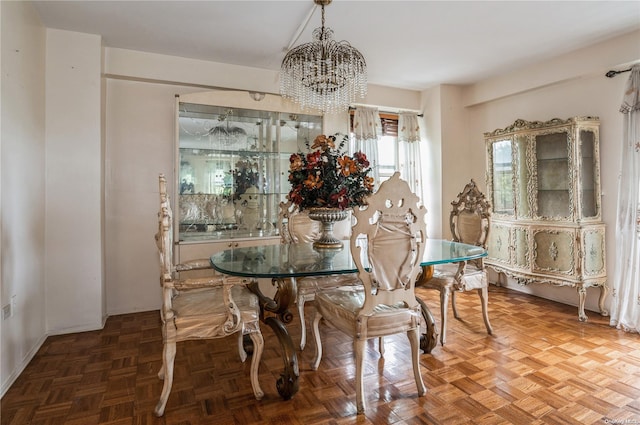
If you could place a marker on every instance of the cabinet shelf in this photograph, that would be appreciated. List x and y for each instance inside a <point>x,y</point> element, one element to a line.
<point>217,235</point>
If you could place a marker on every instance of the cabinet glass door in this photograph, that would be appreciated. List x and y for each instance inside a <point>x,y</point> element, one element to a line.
<point>588,183</point>
<point>522,176</point>
<point>502,169</point>
<point>233,168</point>
<point>553,191</point>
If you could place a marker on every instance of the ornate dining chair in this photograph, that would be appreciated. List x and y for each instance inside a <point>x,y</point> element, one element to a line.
<point>200,308</point>
<point>295,226</point>
<point>470,222</point>
<point>387,245</point>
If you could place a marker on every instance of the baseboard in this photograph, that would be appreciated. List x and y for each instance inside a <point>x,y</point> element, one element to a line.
<point>25,362</point>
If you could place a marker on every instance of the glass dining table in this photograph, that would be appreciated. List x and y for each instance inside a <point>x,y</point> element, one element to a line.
<point>283,263</point>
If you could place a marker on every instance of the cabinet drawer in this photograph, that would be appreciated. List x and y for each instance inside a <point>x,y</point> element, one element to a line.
<point>554,251</point>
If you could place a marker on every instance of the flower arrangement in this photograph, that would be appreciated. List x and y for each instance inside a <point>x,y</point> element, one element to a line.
<point>329,178</point>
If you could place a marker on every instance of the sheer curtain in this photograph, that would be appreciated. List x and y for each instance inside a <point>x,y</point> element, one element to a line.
<point>409,150</point>
<point>625,308</point>
<point>366,132</point>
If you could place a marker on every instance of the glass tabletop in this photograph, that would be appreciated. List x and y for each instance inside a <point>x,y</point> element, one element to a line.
<point>296,260</point>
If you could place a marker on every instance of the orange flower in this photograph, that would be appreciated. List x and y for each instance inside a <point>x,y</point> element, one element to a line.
<point>323,142</point>
<point>296,162</point>
<point>347,166</point>
<point>368,182</point>
<point>313,182</point>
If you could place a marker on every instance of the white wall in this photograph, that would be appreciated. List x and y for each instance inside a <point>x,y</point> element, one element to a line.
<point>433,169</point>
<point>22,187</point>
<point>458,163</point>
<point>74,210</point>
<point>140,137</point>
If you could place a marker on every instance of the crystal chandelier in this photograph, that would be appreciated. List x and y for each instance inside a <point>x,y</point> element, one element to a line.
<point>325,74</point>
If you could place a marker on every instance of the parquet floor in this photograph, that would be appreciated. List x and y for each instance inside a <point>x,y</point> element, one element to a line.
<point>542,366</point>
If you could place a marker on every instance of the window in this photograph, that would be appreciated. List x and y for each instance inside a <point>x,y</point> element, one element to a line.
<point>388,154</point>
<point>388,157</point>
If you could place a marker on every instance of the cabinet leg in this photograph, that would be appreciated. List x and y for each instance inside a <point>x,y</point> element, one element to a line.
<point>582,295</point>
<point>603,294</point>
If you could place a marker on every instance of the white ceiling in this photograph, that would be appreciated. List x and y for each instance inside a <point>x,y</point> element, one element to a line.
<point>407,44</point>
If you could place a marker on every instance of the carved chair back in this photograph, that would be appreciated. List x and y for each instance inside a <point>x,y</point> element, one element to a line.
<point>387,244</point>
<point>470,218</point>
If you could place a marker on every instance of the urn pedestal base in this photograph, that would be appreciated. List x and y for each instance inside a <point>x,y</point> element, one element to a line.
<point>327,217</point>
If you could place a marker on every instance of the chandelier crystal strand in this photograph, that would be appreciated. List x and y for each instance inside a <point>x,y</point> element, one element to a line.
<point>324,75</point>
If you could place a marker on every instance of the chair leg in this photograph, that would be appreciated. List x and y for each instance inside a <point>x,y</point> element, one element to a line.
<point>453,305</point>
<point>484,300</point>
<point>358,351</point>
<point>381,346</point>
<point>315,331</point>
<point>241,352</point>
<point>168,357</point>
<point>258,347</point>
<point>414,339</point>
<point>303,326</point>
<point>161,372</point>
<point>444,300</point>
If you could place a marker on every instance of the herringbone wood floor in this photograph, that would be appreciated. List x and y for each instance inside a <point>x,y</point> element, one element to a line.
<point>541,366</point>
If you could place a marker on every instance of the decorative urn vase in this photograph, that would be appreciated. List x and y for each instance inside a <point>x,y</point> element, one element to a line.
<point>327,217</point>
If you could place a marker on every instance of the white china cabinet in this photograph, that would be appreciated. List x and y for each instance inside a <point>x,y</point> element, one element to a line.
<point>543,181</point>
<point>232,169</point>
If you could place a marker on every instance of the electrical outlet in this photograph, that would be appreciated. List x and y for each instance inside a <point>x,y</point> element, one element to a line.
<point>7,312</point>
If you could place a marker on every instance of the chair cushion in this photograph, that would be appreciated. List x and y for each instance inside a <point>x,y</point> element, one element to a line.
<point>202,314</point>
<point>444,274</point>
<point>341,306</point>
